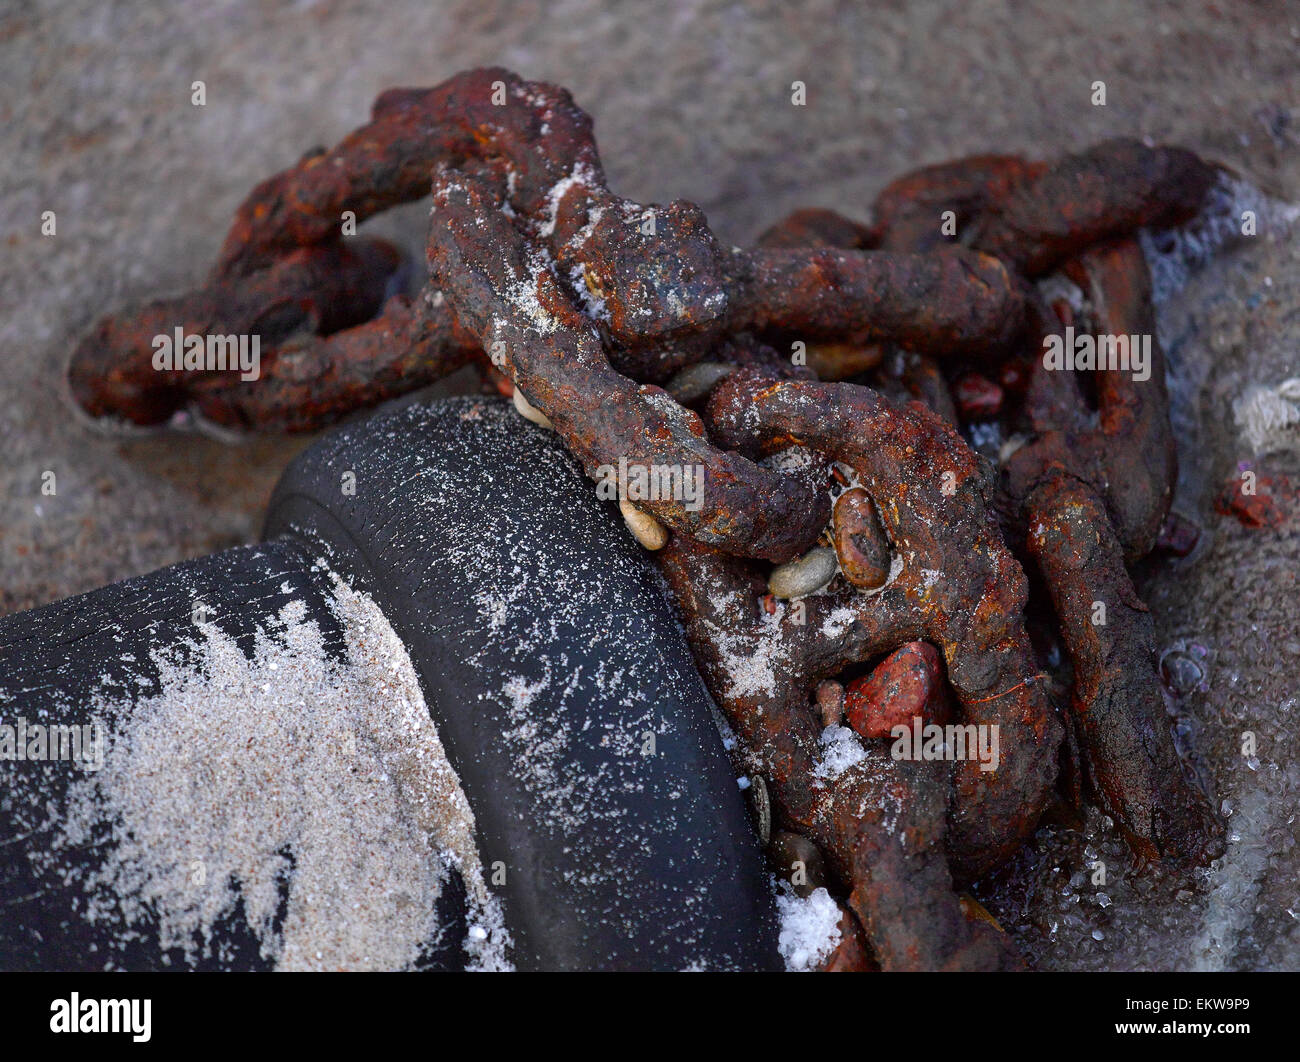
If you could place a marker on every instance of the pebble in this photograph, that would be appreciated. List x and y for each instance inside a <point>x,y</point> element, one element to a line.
<point>977,397</point>
<point>644,527</point>
<point>530,412</point>
<point>785,850</point>
<point>761,804</point>
<point>976,911</point>
<point>907,684</point>
<point>804,575</point>
<point>695,381</point>
<point>830,702</point>
<point>1257,510</point>
<point>1014,377</point>
<point>1182,668</point>
<point>860,542</point>
<point>840,361</point>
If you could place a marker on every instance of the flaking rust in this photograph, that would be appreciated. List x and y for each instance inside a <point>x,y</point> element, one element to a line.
<point>640,338</point>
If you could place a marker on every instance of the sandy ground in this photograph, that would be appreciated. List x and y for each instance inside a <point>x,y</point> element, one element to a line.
<point>690,101</point>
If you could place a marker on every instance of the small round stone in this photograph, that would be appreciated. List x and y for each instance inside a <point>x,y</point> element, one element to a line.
<point>804,575</point>
<point>797,860</point>
<point>860,541</point>
<point>1178,535</point>
<point>830,702</point>
<point>977,397</point>
<point>530,412</point>
<point>696,381</point>
<point>906,685</point>
<point>839,361</point>
<point>762,806</point>
<point>1180,671</point>
<point>976,911</point>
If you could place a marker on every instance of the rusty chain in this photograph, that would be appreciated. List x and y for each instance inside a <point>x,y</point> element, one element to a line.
<point>633,333</point>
